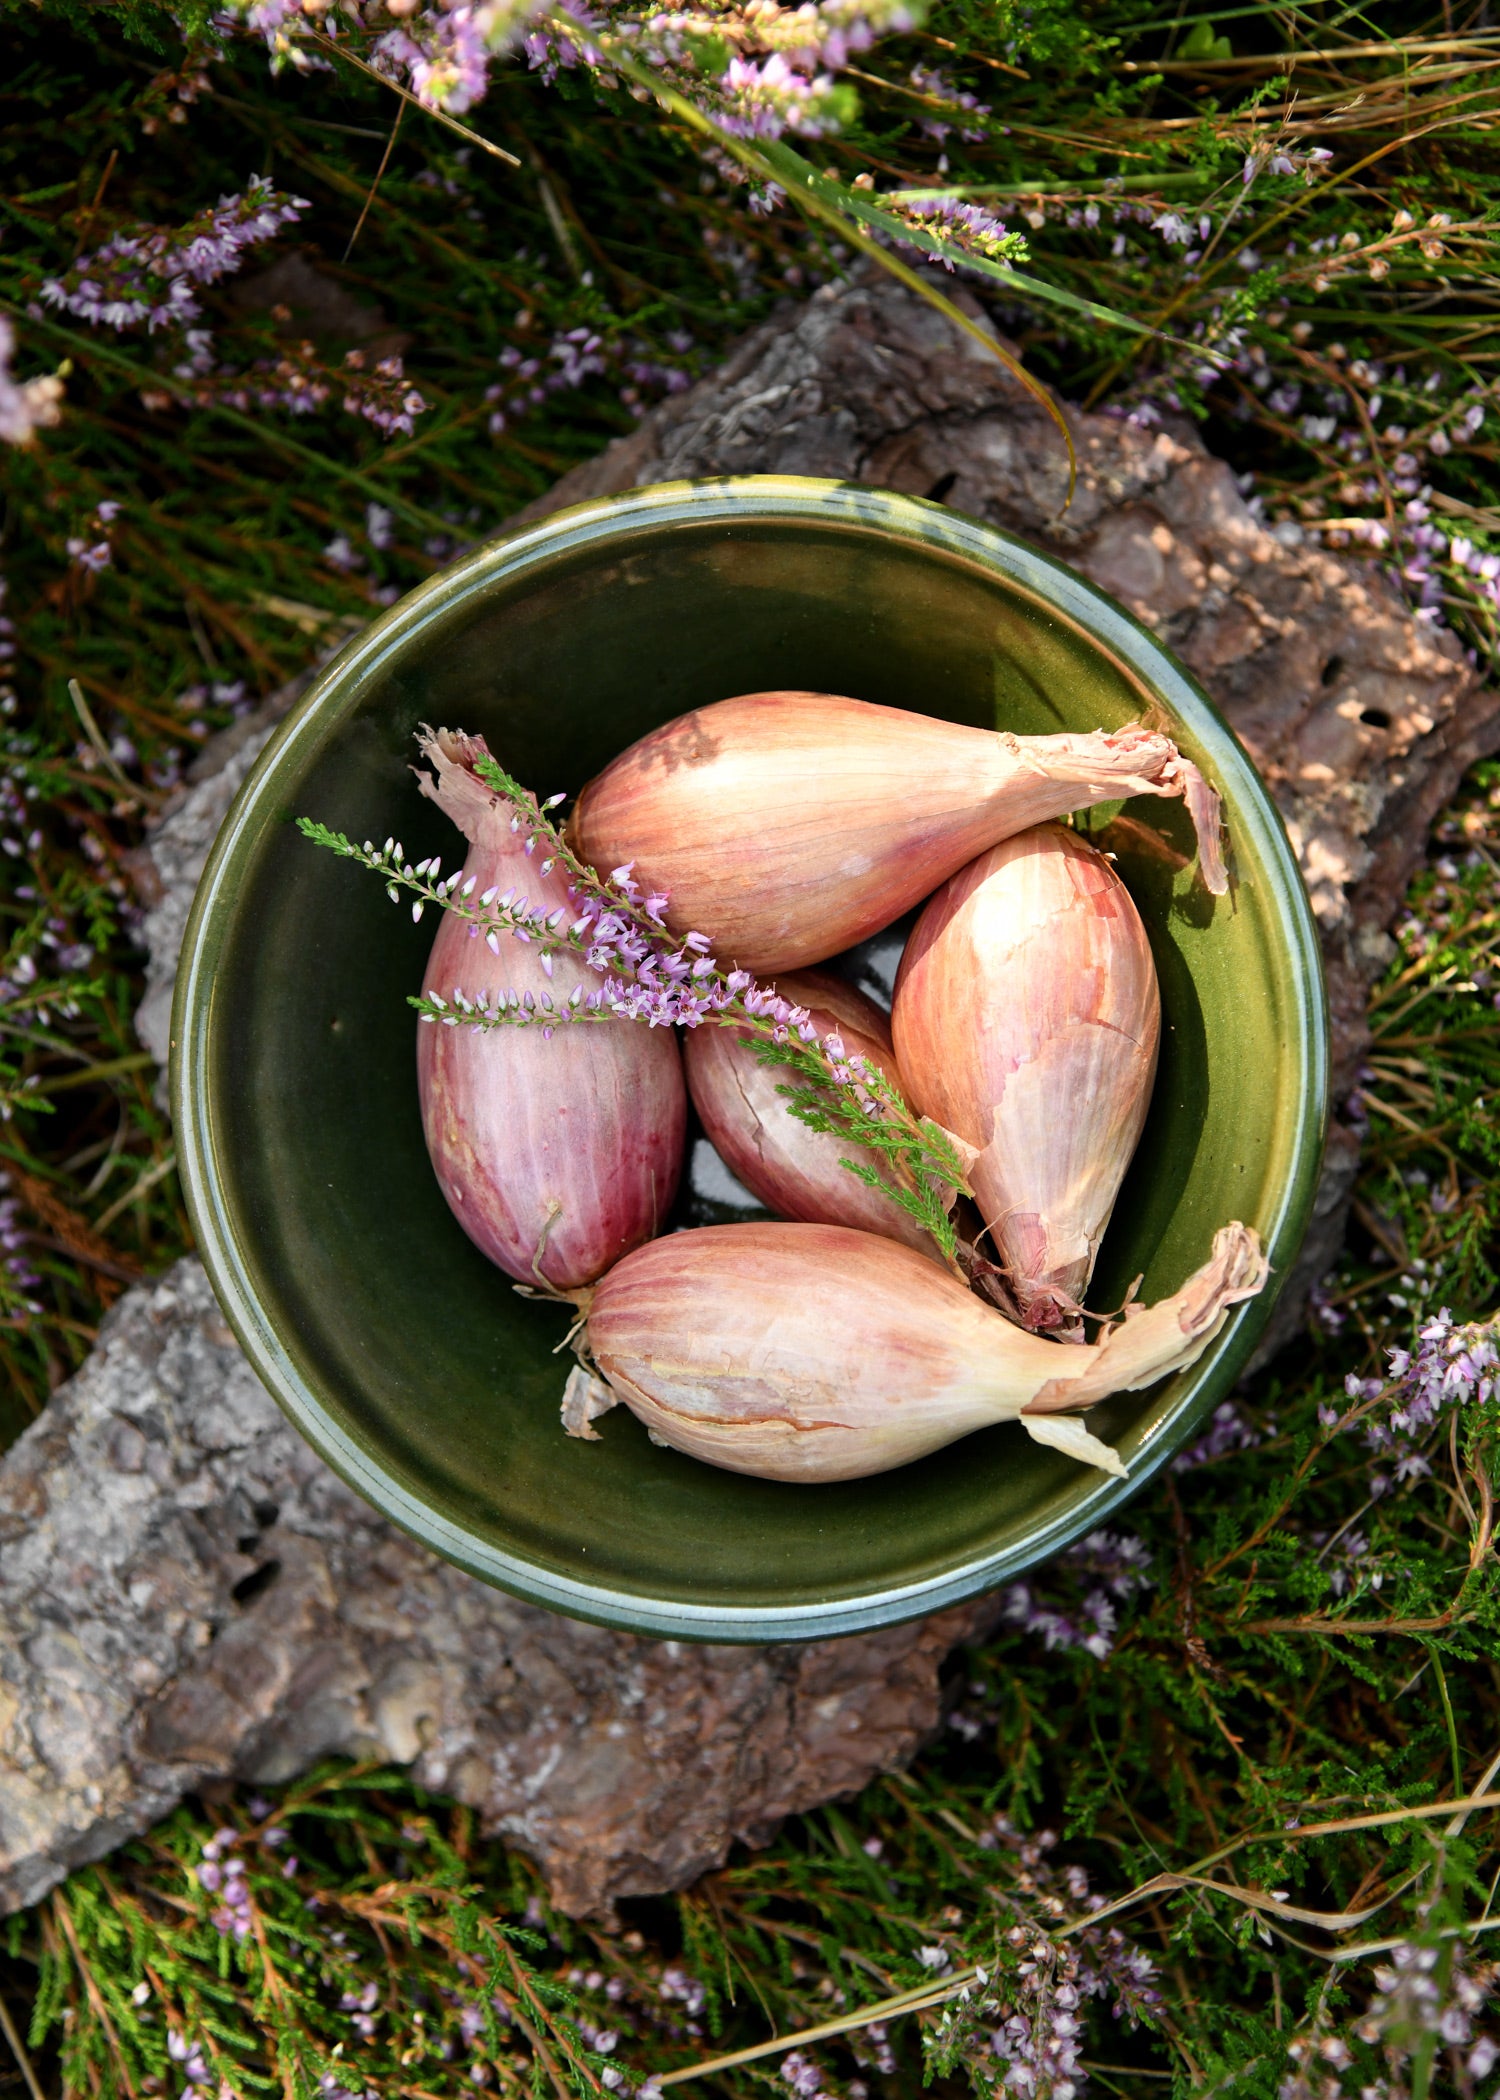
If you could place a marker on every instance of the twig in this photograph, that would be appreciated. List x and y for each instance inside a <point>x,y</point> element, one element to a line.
<point>107,758</point>
<point>385,160</point>
<point>77,1237</point>
<point>1284,61</point>
<point>351,58</point>
<point>110,1068</point>
<point>18,2051</point>
<point>1322,1624</point>
<point>106,1266</point>
<point>148,1180</point>
<point>64,1917</point>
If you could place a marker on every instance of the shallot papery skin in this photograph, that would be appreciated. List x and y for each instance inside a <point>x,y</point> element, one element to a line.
<point>1026,1021</point>
<point>556,1155</point>
<point>793,1169</point>
<point>788,826</point>
<point>812,1353</point>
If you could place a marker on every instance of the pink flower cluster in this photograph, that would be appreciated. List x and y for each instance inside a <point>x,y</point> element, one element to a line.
<point>222,1872</point>
<point>1450,1367</point>
<point>92,550</point>
<point>26,405</point>
<point>1227,1432</point>
<point>1271,158</point>
<point>937,87</point>
<point>966,228</point>
<point>572,358</point>
<point>1039,2043</point>
<point>148,277</point>
<point>778,76</point>
<point>762,98</point>
<point>300,384</point>
<point>17,1277</point>
<point>1426,2000</point>
<point>444,52</point>
<point>1118,1565</point>
<point>197,2079</point>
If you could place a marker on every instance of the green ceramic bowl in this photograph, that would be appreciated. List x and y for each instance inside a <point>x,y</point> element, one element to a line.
<point>409,1361</point>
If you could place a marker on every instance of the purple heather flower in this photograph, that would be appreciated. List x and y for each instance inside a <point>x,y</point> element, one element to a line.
<point>764,97</point>
<point>189,2056</point>
<point>17,1272</point>
<point>340,555</point>
<point>936,84</point>
<point>1449,1367</point>
<point>1228,1431</point>
<point>146,277</point>
<point>1117,1562</point>
<point>677,1986</point>
<point>803,2077</point>
<point>26,405</point>
<point>966,226</point>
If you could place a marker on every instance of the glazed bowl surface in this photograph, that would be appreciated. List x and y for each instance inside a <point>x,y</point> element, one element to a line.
<point>406,1359</point>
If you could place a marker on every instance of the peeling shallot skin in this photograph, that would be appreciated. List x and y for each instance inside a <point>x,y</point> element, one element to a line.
<point>556,1155</point>
<point>793,1169</point>
<point>1027,1021</point>
<point>789,826</point>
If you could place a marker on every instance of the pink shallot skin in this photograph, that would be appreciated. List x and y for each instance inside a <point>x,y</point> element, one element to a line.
<point>788,826</point>
<point>1027,1020</point>
<point>812,1353</point>
<point>806,1352</point>
<point>794,1169</point>
<point>556,1155</point>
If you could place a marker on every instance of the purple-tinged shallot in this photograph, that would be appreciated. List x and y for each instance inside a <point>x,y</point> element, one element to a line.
<point>557,1150</point>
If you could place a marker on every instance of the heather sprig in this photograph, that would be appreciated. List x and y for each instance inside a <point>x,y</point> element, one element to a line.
<point>147,277</point>
<point>964,229</point>
<point>1450,1372</point>
<point>1099,1573</point>
<point>299,383</point>
<point>662,980</point>
<point>18,1279</point>
<point>761,69</point>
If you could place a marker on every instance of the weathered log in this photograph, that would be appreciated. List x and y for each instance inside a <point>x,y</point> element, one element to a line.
<point>187,1593</point>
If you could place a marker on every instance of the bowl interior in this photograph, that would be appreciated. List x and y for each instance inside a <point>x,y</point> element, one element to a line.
<point>402,1353</point>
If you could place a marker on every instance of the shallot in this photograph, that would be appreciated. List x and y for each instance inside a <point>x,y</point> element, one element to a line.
<point>791,825</point>
<point>815,1353</point>
<point>1026,1021</point>
<point>557,1150</point>
<point>794,1169</point>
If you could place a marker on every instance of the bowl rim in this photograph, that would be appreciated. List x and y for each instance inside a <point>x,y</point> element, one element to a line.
<point>336,692</point>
